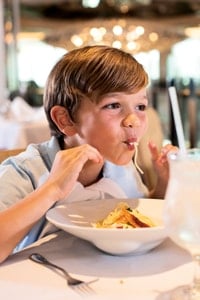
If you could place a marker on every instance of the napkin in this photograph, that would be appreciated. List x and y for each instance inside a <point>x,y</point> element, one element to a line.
<point>20,110</point>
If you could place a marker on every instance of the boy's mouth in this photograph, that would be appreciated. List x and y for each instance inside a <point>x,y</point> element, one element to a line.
<point>131,142</point>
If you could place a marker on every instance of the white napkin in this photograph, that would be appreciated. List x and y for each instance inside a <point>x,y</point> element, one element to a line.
<point>20,110</point>
<point>103,189</point>
<point>4,107</point>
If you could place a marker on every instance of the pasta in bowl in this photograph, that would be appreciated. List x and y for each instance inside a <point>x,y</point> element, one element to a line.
<point>82,219</point>
<point>123,216</point>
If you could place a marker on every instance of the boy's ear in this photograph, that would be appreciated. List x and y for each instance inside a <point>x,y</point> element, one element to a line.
<point>61,118</point>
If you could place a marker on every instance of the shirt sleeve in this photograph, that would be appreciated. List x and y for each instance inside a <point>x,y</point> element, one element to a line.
<point>19,176</point>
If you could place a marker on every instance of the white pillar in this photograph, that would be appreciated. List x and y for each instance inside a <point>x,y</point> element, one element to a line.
<point>12,46</point>
<point>3,89</point>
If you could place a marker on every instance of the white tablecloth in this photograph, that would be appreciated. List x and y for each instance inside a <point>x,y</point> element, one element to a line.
<point>16,134</point>
<point>22,124</point>
<point>144,277</point>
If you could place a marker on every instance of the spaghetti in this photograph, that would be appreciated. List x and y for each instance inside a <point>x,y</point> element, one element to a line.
<point>136,157</point>
<point>123,216</point>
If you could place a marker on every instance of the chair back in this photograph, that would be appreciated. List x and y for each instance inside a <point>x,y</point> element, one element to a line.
<point>154,133</point>
<point>9,152</point>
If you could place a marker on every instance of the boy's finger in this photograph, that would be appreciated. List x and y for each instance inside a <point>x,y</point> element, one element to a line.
<point>154,150</point>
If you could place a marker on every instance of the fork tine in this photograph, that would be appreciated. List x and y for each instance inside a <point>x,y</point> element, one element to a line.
<point>83,289</point>
<point>76,284</point>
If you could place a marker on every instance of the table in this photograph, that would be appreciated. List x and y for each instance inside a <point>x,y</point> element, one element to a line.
<point>143,277</point>
<point>16,134</point>
<point>21,124</point>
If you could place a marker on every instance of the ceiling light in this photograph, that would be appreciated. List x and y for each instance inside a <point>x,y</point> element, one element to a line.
<point>31,35</point>
<point>76,40</point>
<point>117,30</point>
<point>117,44</point>
<point>139,30</point>
<point>153,36</point>
<point>90,3</point>
<point>132,45</point>
<point>193,32</point>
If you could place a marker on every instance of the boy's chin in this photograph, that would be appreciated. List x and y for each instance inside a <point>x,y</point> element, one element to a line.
<point>122,162</point>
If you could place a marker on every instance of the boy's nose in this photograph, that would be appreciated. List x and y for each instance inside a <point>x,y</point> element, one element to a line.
<point>131,121</point>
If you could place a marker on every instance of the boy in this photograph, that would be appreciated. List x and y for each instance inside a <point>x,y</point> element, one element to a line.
<point>95,101</point>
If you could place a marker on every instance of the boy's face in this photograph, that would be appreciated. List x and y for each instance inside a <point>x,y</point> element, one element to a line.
<point>113,125</point>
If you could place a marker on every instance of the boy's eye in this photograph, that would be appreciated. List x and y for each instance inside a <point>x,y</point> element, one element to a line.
<point>112,106</point>
<point>141,107</point>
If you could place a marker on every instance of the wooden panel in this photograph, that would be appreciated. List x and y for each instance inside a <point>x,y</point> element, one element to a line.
<point>7,153</point>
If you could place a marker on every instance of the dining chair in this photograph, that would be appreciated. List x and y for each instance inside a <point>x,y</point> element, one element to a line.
<point>5,153</point>
<point>155,134</point>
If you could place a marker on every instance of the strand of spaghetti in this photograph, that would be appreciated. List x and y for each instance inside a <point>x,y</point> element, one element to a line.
<point>135,159</point>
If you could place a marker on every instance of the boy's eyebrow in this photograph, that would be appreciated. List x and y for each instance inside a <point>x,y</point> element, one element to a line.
<point>109,95</point>
<point>115,94</point>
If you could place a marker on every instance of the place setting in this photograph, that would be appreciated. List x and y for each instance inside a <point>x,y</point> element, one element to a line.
<point>119,265</point>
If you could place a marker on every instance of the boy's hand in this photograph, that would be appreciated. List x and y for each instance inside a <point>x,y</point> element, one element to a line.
<point>160,163</point>
<point>67,167</point>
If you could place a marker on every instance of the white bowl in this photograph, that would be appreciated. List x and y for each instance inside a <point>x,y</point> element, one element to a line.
<point>76,218</point>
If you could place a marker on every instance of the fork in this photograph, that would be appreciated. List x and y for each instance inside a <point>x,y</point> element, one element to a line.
<point>76,284</point>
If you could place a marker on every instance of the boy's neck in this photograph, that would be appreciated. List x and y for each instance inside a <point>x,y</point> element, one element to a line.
<point>90,173</point>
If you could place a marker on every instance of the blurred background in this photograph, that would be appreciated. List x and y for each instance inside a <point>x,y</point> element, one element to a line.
<point>164,35</point>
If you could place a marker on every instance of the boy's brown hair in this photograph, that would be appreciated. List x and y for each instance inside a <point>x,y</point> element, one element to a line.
<point>90,73</point>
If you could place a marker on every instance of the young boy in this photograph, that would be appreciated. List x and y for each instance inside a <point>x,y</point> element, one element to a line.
<point>95,101</point>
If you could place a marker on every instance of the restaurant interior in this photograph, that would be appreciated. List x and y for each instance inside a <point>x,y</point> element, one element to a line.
<point>159,258</point>
<point>164,35</point>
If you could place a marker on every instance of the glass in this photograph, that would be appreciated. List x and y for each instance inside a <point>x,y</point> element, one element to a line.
<point>182,213</point>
